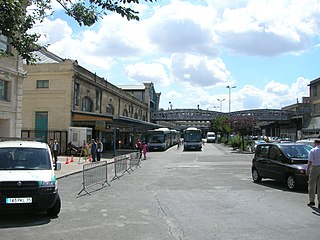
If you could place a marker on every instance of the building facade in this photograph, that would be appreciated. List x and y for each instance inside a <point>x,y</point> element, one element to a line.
<point>12,75</point>
<point>59,93</point>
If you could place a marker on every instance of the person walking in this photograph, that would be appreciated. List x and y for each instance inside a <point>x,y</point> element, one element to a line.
<point>93,150</point>
<point>313,170</point>
<point>139,147</point>
<point>55,149</point>
<point>144,150</point>
<point>99,149</point>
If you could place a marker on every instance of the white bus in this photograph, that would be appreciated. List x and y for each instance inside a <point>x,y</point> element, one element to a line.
<point>192,139</point>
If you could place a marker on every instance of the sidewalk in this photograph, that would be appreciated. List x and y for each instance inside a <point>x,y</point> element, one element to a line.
<point>75,166</point>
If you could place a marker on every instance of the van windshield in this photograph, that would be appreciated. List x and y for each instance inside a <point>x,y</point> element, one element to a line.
<point>24,159</point>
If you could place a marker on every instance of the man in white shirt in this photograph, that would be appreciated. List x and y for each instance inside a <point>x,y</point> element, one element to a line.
<point>313,170</point>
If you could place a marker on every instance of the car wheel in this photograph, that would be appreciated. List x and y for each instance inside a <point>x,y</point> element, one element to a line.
<point>54,211</point>
<point>256,176</point>
<point>291,182</point>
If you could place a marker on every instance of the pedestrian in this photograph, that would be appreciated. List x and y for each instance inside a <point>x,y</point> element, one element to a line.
<point>93,150</point>
<point>313,170</point>
<point>99,149</point>
<point>139,147</point>
<point>144,150</point>
<point>50,146</point>
<point>85,151</point>
<point>55,149</point>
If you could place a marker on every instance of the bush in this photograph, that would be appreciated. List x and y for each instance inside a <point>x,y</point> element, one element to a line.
<point>235,141</point>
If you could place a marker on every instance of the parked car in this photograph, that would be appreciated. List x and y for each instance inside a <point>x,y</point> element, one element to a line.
<point>284,162</point>
<point>27,178</point>
<point>254,144</point>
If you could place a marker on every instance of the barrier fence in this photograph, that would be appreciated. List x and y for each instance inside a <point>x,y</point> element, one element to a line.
<point>100,172</point>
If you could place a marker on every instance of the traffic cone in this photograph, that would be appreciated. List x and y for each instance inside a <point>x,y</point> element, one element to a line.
<point>72,158</point>
<point>67,160</point>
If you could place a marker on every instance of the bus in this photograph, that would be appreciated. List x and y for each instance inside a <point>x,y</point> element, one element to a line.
<point>162,139</point>
<point>192,139</point>
<point>159,139</point>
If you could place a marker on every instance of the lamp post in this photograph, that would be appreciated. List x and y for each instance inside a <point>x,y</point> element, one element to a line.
<point>230,96</point>
<point>220,100</point>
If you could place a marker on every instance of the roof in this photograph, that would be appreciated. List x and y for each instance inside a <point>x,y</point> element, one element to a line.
<point>44,56</point>
<point>132,87</point>
<point>22,143</point>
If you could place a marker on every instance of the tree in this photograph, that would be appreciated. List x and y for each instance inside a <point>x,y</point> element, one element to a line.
<point>221,124</point>
<point>243,125</point>
<point>15,21</point>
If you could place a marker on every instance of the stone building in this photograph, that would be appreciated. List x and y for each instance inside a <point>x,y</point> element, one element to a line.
<point>11,79</point>
<point>59,93</point>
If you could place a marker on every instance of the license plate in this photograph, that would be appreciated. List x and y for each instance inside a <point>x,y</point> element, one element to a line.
<point>18,200</point>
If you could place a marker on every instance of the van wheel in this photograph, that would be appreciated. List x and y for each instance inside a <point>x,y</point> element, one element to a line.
<point>54,211</point>
<point>291,182</point>
<point>256,176</point>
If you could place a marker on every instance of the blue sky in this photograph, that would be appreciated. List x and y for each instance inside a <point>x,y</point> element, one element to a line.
<point>193,50</point>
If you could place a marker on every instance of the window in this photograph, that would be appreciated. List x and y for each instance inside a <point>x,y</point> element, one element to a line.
<point>110,109</point>
<point>97,99</point>
<point>125,113</point>
<point>314,91</point>
<point>3,90</point>
<point>262,151</point>
<point>76,94</point>
<point>42,83</point>
<point>86,104</point>
<point>4,44</point>
<point>274,153</point>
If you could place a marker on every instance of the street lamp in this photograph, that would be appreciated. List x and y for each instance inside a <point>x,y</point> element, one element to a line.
<point>230,96</point>
<point>220,100</point>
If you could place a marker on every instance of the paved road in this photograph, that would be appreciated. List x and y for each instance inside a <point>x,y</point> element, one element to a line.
<point>175,195</point>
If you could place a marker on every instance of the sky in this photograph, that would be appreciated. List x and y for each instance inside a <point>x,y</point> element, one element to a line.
<point>265,51</point>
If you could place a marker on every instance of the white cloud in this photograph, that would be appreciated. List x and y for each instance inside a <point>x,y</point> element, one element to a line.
<point>199,71</point>
<point>142,72</point>
<point>186,48</point>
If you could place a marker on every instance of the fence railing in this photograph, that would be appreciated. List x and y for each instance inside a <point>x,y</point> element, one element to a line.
<point>101,172</point>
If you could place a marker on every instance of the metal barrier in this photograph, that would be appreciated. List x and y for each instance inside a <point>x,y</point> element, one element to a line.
<point>97,172</point>
<point>120,165</point>
<point>135,161</point>
<point>94,173</point>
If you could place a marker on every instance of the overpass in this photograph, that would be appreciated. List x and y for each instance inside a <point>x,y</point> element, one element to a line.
<point>206,115</point>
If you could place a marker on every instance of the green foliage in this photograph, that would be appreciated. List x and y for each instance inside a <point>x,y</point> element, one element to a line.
<point>15,22</point>
<point>235,141</point>
<point>221,124</point>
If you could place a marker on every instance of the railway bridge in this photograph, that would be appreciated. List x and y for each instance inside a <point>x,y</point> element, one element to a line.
<point>206,115</point>
<point>270,120</point>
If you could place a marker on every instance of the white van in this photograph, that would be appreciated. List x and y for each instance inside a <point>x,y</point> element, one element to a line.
<point>211,137</point>
<point>27,178</point>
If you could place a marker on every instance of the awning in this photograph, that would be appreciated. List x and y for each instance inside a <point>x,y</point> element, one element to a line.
<point>314,125</point>
<point>134,122</point>
<point>88,117</point>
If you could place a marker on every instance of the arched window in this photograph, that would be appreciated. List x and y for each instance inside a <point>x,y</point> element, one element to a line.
<point>136,115</point>
<point>110,109</point>
<point>125,113</point>
<point>143,118</point>
<point>86,104</point>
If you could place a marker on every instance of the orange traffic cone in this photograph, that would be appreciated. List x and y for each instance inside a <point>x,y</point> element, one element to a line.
<point>67,160</point>
<point>72,158</point>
